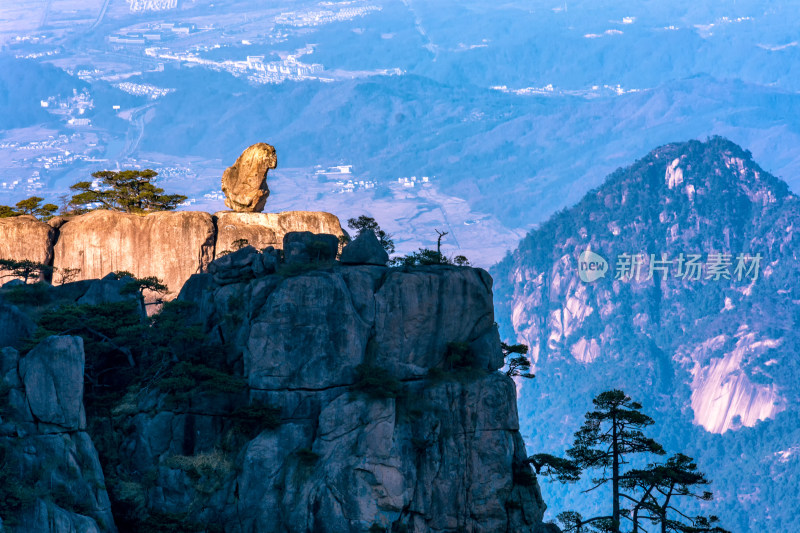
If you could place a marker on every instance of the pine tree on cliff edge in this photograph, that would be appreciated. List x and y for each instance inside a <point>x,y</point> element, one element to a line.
<point>130,191</point>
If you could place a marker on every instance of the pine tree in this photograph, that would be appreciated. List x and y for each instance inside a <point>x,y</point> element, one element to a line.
<point>29,206</point>
<point>609,435</point>
<point>24,269</point>
<point>605,442</point>
<point>130,191</point>
<point>660,486</point>
<point>518,364</point>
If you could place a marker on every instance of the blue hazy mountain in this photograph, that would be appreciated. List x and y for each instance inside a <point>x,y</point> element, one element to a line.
<point>711,358</point>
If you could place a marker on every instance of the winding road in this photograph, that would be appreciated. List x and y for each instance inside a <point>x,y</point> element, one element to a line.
<point>99,17</point>
<point>45,14</point>
<point>135,133</point>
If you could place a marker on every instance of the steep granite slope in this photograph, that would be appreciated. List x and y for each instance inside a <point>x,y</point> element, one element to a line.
<point>715,352</point>
<point>441,453</point>
<point>280,395</point>
<point>24,237</point>
<point>169,245</point>
<point>51,477</point>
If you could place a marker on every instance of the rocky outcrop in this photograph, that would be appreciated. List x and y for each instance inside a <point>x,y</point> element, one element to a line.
<point>262,230</point>
<point>441,459</point>
<point>304,246</point>
<point>245,183</point>
<point>169,245</point>
<point>24,237</point>
<point>325,397</point>
<point>51,478</point>
<point>440,451</point>
<point>365,249</point>
<point>52,374</point>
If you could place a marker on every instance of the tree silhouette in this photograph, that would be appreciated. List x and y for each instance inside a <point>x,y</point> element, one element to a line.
<point>549,465</point>
<point>68,274</point>
<point>660,485</point>
<point>139,285</point>
<point>608,436</point>
<point>130,191</point>
<point>611,434</point>
<point>518,364</point>
<point>571,522</point>
<point>441,235</point>
<point>24,269</point>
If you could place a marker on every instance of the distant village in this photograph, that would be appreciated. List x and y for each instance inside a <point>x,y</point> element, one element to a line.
<point>256,68</point>
<point>170,40</point>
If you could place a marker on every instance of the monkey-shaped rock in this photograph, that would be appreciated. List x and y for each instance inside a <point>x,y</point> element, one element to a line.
<point>245,182</point>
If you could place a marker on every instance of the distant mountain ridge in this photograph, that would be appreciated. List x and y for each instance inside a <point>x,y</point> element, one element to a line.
<point>710,353</point>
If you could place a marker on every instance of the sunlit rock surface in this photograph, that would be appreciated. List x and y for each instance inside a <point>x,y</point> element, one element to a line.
<point>169,245</point>
<point>245,182</point>
<point>261,230</point>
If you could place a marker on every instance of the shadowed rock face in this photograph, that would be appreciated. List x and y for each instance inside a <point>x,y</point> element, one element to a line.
<point>245,183</point>
<point>53,377</point>
<point>169,245</point>
<point>14,325</point>
<point>365,249</point>
<point>44,442</point>
<point>442,452</point>
<point>444,455</point>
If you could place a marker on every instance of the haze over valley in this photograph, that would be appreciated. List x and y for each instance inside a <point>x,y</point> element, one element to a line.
<point>432,120</point>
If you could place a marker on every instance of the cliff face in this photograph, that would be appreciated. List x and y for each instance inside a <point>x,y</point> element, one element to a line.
<point>168,245</point>
<point>24,237</point>
<point>440,454</point>
<point>268,229</point>
<point>52,479</point>
<point>335,406</point>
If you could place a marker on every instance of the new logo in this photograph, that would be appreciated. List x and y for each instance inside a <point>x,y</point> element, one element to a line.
<point>591,266</point>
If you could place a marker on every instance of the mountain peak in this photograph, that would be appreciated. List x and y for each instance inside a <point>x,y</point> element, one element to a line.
<point>695,169</point>
<point>704,200</point>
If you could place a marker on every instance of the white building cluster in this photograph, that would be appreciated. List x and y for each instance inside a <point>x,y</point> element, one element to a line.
<point>141,6</point>
<point>300,19</point>
<point>157,32</point>
<point>413,181</point>
<point>143,89</point>
<point>353,185</point>
<point>30,185</point>
<point>254,67</point>
<point>174,172</point>
<point>278,71</point>
<point>345,181</point>
<point>59,160</point>
<point>78,103</point>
